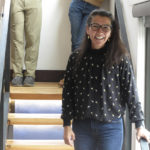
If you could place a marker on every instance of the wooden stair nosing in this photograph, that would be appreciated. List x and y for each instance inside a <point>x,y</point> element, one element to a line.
<point>41,90</point>
<point>34,119</point>
<point>37,145</point>
<point>35,96</point>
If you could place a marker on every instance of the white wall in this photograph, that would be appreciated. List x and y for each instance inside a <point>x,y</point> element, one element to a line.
<point>55,45</point>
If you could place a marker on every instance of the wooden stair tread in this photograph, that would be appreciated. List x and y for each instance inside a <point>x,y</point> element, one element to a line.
<point>41,90</point>
<point>34,119</point>
<point>37,145</point>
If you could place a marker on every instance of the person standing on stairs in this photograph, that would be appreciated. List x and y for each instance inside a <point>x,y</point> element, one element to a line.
<point>26,19</point>
<point>78,14</point>
<point>99,82</point>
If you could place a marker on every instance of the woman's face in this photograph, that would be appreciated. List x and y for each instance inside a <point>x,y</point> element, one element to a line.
<point>99,31</point>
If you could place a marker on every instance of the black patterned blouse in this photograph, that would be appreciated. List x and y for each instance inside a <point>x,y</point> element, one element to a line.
<point>95,92</point>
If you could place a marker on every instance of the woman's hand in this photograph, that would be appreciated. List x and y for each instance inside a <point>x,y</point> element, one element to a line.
<point>69,135</point>
<point>143,133</point>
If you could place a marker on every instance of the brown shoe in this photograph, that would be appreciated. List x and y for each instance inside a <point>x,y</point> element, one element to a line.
<point>61,82</point>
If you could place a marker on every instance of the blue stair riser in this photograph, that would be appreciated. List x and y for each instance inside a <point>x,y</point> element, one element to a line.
<point>38,132</point>
<point>40,106</point>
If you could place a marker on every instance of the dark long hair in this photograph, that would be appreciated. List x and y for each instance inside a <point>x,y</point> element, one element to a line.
<point>116,49</point>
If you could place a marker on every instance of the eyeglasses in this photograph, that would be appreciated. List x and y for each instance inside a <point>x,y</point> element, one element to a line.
<point>105,27</point>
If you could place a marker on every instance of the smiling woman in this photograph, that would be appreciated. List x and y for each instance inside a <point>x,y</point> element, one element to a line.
<point>99,82</point>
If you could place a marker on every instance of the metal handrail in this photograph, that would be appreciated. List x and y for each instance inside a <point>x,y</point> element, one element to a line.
<point>4,73</point>
<point>4,43</point>
<point>120,18</point>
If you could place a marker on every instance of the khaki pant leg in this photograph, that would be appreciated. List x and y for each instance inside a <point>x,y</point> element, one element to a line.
<point>33,19</point>
<point>17,36</point>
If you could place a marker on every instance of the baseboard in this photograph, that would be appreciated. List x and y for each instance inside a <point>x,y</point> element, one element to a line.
<point>47,75</point>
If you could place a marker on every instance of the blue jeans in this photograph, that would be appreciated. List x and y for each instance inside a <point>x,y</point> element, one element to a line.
<point>78,14</point>
<point>93,135</point>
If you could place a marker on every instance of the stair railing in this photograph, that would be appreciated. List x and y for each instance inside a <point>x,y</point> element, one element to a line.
<point>4,71</point>
<point>120,18</point>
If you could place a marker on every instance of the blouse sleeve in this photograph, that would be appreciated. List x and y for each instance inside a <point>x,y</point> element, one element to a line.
<point>129,92</point>
<point>68,91</point>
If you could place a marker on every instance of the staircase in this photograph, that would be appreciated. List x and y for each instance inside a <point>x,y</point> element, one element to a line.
<point>34,119</point>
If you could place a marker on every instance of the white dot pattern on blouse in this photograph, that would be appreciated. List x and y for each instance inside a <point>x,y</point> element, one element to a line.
<point>95,92</point>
